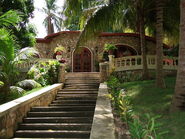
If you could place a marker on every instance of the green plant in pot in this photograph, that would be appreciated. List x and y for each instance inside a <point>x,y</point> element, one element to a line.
<point>59,50</point>
<point>110,48</point>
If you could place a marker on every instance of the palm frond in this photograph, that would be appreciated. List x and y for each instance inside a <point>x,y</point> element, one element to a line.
<point>9,18</point>
<point>102,20</point>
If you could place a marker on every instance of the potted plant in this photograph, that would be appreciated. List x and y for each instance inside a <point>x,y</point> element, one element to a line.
<point>59,50</point>
<point>110,48</point>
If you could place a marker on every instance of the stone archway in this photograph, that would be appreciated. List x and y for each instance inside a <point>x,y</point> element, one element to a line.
<point>124,50</point>
<point>82,60</point>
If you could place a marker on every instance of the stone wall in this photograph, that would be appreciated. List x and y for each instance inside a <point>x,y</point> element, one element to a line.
<point>12,113</point>
<point>68,39</point>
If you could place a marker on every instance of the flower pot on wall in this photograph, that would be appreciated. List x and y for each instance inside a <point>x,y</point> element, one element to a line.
<point>59,53</point>
<point>111,52</point>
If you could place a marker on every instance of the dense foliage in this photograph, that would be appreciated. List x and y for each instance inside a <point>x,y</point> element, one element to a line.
<point>74,12</point>
<point>23,32</point>
<point>145,109</point>
<point>45,73</point>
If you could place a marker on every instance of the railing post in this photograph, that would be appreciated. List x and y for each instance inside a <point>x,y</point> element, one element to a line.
<point>61,75</point>
<point>111,63</point>
<point>104,71</point>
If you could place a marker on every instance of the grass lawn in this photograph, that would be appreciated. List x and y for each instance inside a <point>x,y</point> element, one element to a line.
<point>146,98</point>
<point>11,97</point>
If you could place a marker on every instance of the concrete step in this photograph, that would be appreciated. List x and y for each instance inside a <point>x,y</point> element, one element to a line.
<point>63,108</point>
<point>74,101</point>
<point>78,95</point>
<point>57,104</point>
<point>52,134</point>
<point>76,98</point>
<point>60,114</point>
<point>55,126</point>
<point>82,81</point>
<point>58,120</point>
<point>77,90</point>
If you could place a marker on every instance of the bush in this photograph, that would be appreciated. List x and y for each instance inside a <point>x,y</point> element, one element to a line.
<point>1,84</point>
<point>122,104</point>
<point>28,84</point>
<point>45,73</point>
<point>127,76</point>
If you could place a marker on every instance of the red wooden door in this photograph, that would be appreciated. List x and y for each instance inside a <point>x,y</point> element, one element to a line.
<point>82,61</point>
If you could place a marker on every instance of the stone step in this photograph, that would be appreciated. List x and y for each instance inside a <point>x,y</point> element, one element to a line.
<point>63,108</point>
<point>58,120</point>
<point>78,81</point>
<point>77,90</point>
<point>55,126</point>
<point>81,97</point>
<point>76,98</point>
<point>60,114</point>
<point>57,104</point>
<point>52,134</point>
<point>76,95</point>
<point>74,101</point>
<point>79,87</point>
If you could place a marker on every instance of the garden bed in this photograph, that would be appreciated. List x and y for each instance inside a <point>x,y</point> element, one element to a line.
<point>145,98</point>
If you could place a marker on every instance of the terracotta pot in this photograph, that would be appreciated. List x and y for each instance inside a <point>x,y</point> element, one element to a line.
<point>111,52</point>
<point>59,53</point>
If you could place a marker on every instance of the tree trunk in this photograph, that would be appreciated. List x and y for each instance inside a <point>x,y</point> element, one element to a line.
<point>159,44</point>
<point>143,47</point>
<point>142,38</point>
<point>179,96</point>
<point>50,26</point>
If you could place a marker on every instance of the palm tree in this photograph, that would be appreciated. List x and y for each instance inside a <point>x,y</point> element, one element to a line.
<point>159,44</point>
<point>112,15</point>
<point>7,49</point>
<point>178,98</point>
<point>52,19</point>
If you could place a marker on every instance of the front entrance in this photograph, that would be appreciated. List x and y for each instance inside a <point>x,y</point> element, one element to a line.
<point>82,60</point>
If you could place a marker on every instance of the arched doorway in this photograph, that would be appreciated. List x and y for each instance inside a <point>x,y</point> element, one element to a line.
<point>82,60</point>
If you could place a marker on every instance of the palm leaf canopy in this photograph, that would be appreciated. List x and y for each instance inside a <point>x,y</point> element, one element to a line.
<point>102,19</point>
<point>9,18</point>
<point>122,14</point>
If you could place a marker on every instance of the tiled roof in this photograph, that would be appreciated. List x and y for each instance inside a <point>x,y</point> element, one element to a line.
<point>48,38</point>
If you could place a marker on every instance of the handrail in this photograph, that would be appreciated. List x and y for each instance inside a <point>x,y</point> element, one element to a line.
<point>136,62</point>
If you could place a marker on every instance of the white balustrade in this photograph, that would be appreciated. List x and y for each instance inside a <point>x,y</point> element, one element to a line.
<point>25,66</point>
<point>135,63</point>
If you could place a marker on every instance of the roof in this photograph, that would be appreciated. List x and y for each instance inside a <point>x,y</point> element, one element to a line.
<point>49,38</point>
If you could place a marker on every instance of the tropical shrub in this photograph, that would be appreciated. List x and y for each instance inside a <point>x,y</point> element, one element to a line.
<point>123,106</point>
<point>45,73</point>
<point>28,84</point>
<point>127,76</point>
<point>1,84</point>
<point>108,47</point>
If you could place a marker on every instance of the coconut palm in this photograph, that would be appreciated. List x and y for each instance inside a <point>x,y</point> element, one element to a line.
<point>159,44</point>
<point>121,15</point>
<point>52,19</point>
<point>178,98</point>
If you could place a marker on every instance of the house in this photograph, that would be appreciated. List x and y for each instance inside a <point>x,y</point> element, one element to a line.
<point>87,60</point>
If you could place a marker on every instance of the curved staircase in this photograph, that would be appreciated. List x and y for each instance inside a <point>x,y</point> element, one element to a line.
<point>69,116</point>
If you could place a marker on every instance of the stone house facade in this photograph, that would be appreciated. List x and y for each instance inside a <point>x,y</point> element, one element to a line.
<point>93,51</point>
